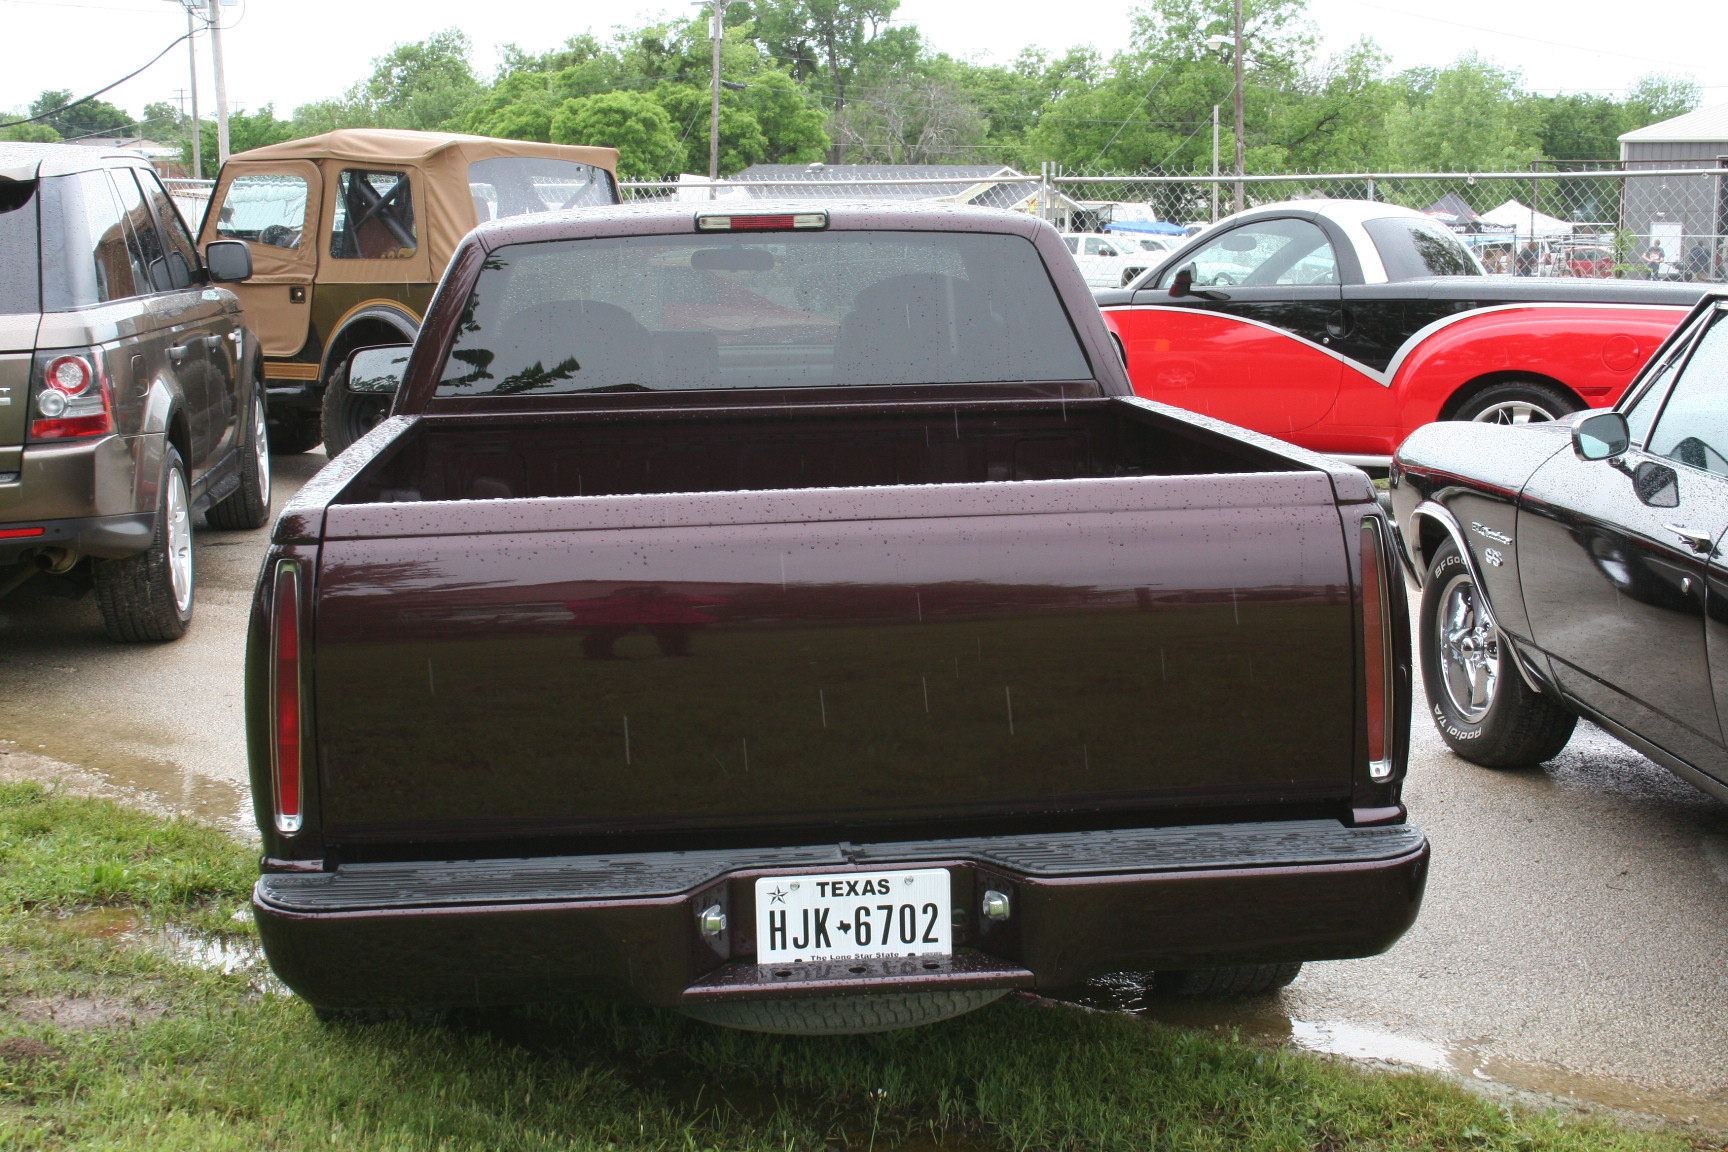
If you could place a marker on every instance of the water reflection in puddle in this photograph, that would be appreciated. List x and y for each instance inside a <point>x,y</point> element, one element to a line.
<point>194,947</point>
<point>1265,1019</point>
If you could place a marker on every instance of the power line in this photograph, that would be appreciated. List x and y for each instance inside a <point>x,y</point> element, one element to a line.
<point>86,99</point>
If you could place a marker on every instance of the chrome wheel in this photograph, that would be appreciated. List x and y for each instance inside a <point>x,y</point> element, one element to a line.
<point>1513,412</point>
<point>179,541</point>
<point>1469,650</point>
<point>261,446</point>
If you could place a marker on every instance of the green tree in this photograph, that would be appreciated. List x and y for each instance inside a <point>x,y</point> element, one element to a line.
<point>1656,97</point>
<point>37,133</point>
<point>1468,117</point>
<point>424,85</point>
<point>245,132</point>
<point>631,122</point>
<point>90,118</point>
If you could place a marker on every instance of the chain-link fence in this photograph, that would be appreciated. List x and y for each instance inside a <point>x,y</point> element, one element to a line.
<point>1669,223</point>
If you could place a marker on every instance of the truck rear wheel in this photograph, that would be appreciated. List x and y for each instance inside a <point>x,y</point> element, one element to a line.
<point>1479,701</point>
<point>1247,980</point>
<point>149,596</point>
<point>349,415</point>
<point>844,1015</point>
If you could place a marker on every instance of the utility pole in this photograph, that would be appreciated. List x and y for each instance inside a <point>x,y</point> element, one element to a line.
<point>1239,202</point>
<point>192,80</point>
<point>1214,163</point>
<point>222,83</point>
<point>718,28</point>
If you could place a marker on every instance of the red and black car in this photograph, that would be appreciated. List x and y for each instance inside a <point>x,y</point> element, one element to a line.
<point>1344,325</point>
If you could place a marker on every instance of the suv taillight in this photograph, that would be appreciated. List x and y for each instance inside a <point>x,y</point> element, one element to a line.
<point>285,697</point>
<point>72,397</point>
<point>1377,656</point>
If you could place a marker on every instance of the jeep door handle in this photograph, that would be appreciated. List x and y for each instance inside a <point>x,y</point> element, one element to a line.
<point>1699,542</point>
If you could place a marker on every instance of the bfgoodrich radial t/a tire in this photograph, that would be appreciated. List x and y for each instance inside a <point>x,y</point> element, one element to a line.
<point>843,1015</point>
<point>1478,700</point>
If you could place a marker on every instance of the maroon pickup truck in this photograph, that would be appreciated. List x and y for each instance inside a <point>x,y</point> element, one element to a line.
<point>792,618</point>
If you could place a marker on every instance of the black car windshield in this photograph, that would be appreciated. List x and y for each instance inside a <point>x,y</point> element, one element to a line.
<point>780,310</point>
<point>20,278</point>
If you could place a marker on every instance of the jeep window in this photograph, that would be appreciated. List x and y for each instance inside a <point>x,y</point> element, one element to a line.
<point>182,256</point>
<point>84,247</point>
<point>20,275</point>
<point>149,257</point>
<point>786,310</point>
<point>267,208</point>
<point>517,185</point>
<point>374,216</point>
<point>1418,249</point>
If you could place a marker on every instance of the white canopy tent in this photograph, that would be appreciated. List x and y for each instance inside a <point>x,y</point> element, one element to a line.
<point>1526,223</point>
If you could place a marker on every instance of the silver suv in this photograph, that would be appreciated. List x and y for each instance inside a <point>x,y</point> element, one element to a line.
<point>129,386</point>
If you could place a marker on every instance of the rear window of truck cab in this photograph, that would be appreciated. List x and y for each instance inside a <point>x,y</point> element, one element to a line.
<point>780,310</point>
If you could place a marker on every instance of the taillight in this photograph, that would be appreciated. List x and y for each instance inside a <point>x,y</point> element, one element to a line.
<point>285,696</point>
<point>71,398</point>
<point>1376,649</point>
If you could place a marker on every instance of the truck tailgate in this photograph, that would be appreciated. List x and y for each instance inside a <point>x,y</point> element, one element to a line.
<point>830,658</point>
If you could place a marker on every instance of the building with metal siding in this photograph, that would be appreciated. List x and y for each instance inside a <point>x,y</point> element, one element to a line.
<point>1680,214</point>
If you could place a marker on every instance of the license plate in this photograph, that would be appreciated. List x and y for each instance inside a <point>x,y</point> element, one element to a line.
<point>852,914</point>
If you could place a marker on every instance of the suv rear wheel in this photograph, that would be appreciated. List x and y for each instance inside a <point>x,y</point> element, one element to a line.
<point>149,596</point>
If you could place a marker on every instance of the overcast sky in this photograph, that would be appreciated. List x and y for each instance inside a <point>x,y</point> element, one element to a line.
<point>291,52</point>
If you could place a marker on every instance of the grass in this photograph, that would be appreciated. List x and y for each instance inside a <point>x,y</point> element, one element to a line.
<point>207,1062</point>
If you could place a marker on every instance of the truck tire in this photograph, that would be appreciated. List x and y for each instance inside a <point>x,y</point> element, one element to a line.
<point>1484,710</point>
<point>248,506</point>
<point>1516,402</point>
<point>349,415</point>
<point>1247,980</point>
<point>295,431</point>
<point>149,596</point>
<point>843,1015</point>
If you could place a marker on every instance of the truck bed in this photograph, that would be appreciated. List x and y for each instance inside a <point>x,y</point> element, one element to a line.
<point>823,624</point>
<point>815,447</point>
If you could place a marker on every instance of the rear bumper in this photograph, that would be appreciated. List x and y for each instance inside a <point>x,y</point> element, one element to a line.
<point>514,931</point>
<point>92,497</point>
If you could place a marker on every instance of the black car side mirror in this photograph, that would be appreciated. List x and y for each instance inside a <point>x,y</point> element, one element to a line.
<point>1600,435</point>
<point>1182,284</point>
<point>228,261</point>
<point>378,369</point>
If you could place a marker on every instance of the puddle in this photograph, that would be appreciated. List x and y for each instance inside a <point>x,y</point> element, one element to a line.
<point>1265,1019</point>
<point>196,948</point>
<point>158,787</point>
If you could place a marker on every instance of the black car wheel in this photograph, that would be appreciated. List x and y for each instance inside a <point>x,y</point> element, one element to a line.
<point>248,506</point>
<point>149,596</point>
<point>1517,402</point>
<point>349,415</point>
<point>1484,710</point>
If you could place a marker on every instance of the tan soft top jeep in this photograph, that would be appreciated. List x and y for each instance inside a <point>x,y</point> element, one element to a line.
<point>350,232</point>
